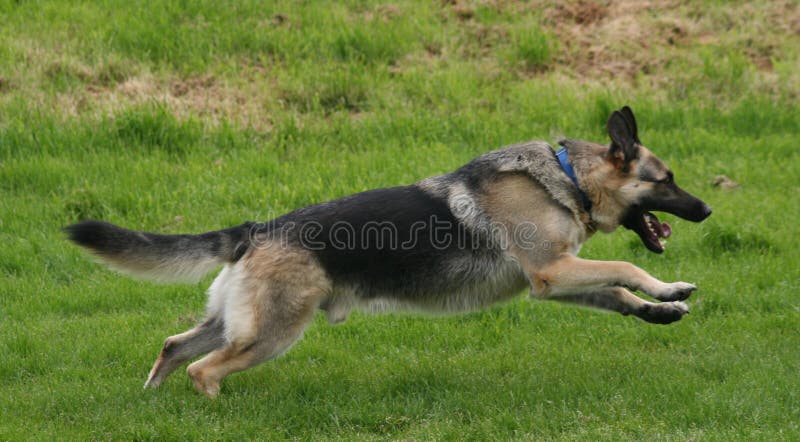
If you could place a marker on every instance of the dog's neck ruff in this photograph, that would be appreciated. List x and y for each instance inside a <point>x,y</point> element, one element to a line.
<point>563,160</point>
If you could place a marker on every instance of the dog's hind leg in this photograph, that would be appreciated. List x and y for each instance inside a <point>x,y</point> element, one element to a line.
<point>274,294</point>
<point>180,348</point>
<point>621,300</point>
<point>202,339</point>
<point>275,328</point>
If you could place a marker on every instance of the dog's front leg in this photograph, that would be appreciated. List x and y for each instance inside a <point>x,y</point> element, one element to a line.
<point>569,275</point>
<point>621,300</point>
<point>596,284</point>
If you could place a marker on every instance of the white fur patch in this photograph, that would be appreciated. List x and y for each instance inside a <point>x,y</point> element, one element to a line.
<point>216,292</point>
<point>229,298</point>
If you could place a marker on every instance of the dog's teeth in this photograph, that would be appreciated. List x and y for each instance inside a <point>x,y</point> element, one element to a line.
<point>662,242</point>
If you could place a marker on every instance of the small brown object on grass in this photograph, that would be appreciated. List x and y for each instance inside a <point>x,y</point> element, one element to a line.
<point>724,182</point>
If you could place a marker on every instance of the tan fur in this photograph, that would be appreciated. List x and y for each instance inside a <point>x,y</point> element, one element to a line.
<point>266,300</point>
<point>515,201</point>
<point>611,187</point>
<point>282,287</point>
<point>553,270</point>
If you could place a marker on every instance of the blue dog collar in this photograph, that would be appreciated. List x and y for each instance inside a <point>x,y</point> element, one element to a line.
<point>561,154</point>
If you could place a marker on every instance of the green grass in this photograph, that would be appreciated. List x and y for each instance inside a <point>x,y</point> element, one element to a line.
<point>197,115</point>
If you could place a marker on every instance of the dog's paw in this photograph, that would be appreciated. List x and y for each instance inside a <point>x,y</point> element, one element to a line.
<point>663,313</point>
<point>201,382</point>
<point>152,382</point>
<point>676,291</point>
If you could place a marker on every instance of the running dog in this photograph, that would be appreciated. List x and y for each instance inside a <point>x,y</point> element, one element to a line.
<point>511,219</point>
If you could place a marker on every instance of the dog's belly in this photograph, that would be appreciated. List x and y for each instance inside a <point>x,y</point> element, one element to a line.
<point>467,286</point>
<point>487,282</point>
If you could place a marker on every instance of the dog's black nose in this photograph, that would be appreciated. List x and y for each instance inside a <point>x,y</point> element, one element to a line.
<point>706,212</point>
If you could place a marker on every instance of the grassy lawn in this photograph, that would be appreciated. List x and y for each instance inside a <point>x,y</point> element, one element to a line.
<point>198,115</point>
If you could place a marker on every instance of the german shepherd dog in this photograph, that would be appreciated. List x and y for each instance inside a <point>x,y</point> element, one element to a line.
<point>510,219</point>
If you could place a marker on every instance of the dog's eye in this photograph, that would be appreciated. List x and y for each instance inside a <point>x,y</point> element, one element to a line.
<point>667,180</point>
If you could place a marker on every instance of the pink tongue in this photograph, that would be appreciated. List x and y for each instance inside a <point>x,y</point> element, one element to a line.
<point>666,230</point>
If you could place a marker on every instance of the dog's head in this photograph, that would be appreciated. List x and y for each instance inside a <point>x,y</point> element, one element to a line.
<point>627,183</point>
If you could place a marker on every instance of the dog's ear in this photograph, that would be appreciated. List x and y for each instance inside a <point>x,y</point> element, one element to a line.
<point>624,146</point>
<point>627,112</point>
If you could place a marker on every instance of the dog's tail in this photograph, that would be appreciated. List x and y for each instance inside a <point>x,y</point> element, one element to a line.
<point>161,257</point>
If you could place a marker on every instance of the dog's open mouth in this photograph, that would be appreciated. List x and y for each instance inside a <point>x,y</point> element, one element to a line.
<point>650,229</point>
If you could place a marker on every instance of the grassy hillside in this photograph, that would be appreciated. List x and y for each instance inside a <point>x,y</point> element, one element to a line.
<point>197,115</point>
